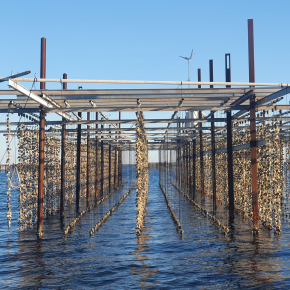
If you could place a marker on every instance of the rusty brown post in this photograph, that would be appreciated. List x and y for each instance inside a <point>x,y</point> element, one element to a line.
<point>78,181</point>
<point>43,62</point>
<point>88,161</point>
<point>254,169</point>
<point>97,162</point>
<point>41,173</point>
<point>62,165</point>
<point>201,156</point>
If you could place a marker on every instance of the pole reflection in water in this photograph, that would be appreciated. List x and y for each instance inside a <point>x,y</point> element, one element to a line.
<point>146,279</point>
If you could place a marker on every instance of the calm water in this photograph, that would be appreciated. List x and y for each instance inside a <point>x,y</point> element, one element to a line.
<point>114,258</point>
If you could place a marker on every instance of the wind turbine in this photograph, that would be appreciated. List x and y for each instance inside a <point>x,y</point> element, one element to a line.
<point>188,59</point>
<point>191,114</point>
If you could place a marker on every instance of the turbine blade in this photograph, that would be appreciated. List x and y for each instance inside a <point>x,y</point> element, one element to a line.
<point>191,54</point>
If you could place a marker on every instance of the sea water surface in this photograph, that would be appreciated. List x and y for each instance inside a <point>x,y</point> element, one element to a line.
<point>160,258</point>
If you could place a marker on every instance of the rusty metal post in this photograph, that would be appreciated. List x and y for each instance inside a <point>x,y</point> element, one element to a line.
<point>97,162</point>
<point>78,181</point>
<point>43,62</point>
<point>88,161</point>
<point>41,173</point>
<point>110,167</point>
<point>201,156</point>
<point>254,169</point>
<point>62,165</point>
<point>193,168</point>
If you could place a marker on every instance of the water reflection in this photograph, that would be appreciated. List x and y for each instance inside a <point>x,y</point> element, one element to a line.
<point>145,272</point>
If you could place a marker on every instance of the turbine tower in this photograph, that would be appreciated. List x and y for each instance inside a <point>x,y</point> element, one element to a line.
<point>190,114</point>
<point>188,59</point>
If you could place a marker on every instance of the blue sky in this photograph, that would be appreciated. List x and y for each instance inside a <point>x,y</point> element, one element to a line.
<point>142,40</point>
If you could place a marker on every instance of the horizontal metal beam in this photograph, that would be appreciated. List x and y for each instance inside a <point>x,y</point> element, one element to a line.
<point>36,98</point>
<point>141,82</point>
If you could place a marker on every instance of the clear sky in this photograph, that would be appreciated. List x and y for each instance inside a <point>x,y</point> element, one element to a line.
<point>142,40</point>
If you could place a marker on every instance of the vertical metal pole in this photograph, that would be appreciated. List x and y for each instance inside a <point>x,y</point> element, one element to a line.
<point>41,143</point>
<point>254,168</point>
<point>102,166</point>
<point>88,161</point>
<point>212,143</point>
<point>213,163</point>
<point>115,168</point>
<point>110,167</point>
<point>199,76</point>
<point>43,62</point>
<point>230,163</point>
<point>41,173</point>
<point>201,156</point>
<point>230,142</point>
<point>211,72</point>
<point>187,165</point>
<point>120,156</point>
<point>62,165</point>
<point>78,183</point>
<point>193,168</point>
<point>189,168</point>
<point>228,68</point>
<point>97,162</point>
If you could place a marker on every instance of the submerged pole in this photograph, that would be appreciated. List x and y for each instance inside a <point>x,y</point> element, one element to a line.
<point>62,165</point>
<point>230,142</point>
<point>110,167</point>
<point>41,143</point>
<point>41,173</point>
<point>201,156</point>
<point>97,163</point>
<point>193,168</point>
<point>120,156</point>
<point>212,144</point>
<point>102,166</point>
<point>88,161</point>
<point>78,181</point>
<point>254,169</point>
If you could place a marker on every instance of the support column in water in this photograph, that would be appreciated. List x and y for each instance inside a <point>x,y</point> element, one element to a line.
<point>41,173</point>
